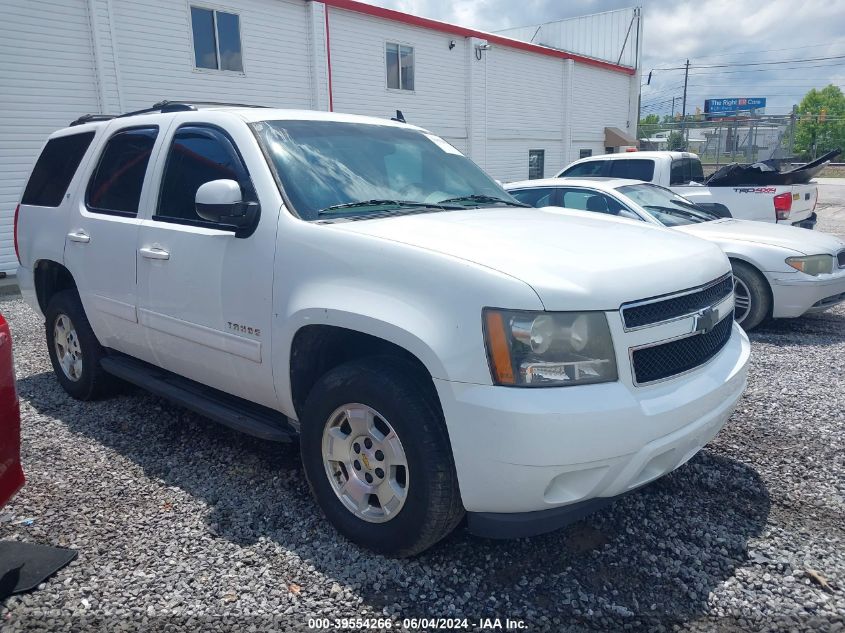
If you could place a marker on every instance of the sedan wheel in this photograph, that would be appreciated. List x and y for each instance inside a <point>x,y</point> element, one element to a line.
<point>742,300</point>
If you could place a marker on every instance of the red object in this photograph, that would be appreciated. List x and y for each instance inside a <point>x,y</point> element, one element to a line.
<point>17,252</point>
<point>329,61</point>
<point>452,29</point>
<point>783,205</point>
<point>11,473</point>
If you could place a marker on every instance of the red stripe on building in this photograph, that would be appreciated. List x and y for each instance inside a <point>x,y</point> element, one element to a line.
<point>453,29</point>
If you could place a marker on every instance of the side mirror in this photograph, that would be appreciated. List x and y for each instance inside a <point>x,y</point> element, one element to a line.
<point>221,202</point>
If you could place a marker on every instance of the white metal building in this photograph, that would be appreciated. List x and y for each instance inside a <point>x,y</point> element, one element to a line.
<point>517,108</point>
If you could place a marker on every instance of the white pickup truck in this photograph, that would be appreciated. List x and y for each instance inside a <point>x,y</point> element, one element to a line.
<point>682,173</point>
<point>438,347</point>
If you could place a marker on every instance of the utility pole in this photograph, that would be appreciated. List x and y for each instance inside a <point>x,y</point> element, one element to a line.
<point>684,107</point>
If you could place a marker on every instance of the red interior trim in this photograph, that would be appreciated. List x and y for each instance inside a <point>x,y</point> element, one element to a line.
<point>329,59</point>
<point>453,29</point>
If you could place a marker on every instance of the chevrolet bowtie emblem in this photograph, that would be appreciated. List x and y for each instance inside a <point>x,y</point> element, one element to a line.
<point>705,320</point>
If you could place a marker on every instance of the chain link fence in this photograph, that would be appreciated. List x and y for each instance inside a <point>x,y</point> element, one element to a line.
<point>746,140</point>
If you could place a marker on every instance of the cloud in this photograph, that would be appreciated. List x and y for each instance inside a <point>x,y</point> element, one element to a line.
<point>708,33</point>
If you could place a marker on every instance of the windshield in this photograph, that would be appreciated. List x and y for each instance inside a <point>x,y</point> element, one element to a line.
<point>338,169</point>
<point>666,207</point>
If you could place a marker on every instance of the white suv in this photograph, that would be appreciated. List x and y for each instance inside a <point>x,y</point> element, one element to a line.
<point>360,283</point>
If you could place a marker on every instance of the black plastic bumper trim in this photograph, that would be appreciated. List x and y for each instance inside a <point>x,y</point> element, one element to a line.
<point>505,525</point>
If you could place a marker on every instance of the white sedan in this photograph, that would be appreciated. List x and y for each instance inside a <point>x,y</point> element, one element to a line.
<point>779,271</point>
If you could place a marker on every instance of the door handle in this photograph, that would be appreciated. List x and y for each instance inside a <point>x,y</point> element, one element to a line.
<point>154,253</point>
<point>79,236</point>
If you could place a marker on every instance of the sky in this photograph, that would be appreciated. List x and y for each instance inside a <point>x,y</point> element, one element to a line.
<point>708,32</point>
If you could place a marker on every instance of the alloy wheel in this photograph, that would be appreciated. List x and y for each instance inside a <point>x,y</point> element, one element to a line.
<point>742,300</point>
<point>365,462</point>
<point>68,349</point>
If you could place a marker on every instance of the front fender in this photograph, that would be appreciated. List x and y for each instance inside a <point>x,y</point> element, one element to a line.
<point>427,303</point>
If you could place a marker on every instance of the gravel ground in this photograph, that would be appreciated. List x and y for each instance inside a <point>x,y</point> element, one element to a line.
<point>182,524</point>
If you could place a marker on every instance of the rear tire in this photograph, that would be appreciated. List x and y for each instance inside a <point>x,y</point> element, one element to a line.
<point>422,503</point>
<point>753,299</point>
<point>74,350</point>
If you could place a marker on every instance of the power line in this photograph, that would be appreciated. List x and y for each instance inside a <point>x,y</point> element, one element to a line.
<point>773,50</point>
<point>773,63</point>
<point>767,70</point>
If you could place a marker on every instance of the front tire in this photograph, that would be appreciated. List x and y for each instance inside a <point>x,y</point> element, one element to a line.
<point>75,352</point>
<point>752,298</point>
<point>377,457</point>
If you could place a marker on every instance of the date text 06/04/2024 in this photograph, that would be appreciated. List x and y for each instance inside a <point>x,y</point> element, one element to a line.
<point>414,624</point>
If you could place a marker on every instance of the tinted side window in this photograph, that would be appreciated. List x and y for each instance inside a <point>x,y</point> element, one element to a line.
<point>635,169</point>
<point>544,197</point>
<point>696,171</point>
<point>55,168</point>
<point>679,173</point>
<point>590,168</point>
<point>198,155</point>
<point>116,184</point>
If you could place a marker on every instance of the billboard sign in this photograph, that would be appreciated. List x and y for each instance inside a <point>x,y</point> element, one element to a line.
<point>732,106</point>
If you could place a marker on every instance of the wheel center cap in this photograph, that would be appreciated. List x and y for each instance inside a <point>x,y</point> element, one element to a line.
<point>366,461</point>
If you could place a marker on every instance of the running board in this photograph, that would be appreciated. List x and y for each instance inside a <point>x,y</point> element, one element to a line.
<point>234,412</point>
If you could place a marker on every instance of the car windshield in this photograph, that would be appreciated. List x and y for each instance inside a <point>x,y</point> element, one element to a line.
<point>336,169</point>
<point>666,207</point>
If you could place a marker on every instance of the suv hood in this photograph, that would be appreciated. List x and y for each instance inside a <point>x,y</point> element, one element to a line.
<point>573,260</point>
<point>794,238</point>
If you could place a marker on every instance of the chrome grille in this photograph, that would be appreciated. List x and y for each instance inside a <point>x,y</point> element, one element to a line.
<point>661,361</point>
<point>649,312</point>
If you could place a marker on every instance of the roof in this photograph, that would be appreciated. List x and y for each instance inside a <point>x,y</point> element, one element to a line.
<point>454,29</point>
<point>250,114</point>
<point>596,182</point>
<point>633,155</point>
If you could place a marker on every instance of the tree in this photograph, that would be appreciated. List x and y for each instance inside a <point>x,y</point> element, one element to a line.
<point>648,126</point>
<point>675,142</point>
<point>821,122</point>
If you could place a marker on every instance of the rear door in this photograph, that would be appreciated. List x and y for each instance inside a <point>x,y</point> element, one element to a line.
<point>101,243</point>
<point>205,295</point>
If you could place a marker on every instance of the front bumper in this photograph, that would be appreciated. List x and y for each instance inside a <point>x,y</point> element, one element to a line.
<point>530,450</point>
<point>795,294</point>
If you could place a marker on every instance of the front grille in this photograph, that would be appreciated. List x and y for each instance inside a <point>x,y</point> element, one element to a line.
<point>648,311</point>
<point>841,259</point>
<point>662,361</point>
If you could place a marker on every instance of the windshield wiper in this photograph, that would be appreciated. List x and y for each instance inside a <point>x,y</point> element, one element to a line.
<point>399,204</point>
<point>482,198</point>
<point>688,214</point>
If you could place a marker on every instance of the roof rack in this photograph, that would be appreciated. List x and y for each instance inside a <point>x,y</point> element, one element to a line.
<point>163,107</point>
<point>88,118</point>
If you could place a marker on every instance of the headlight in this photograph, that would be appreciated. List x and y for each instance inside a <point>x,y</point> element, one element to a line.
<point>812,264</point>
<point>548,349</point>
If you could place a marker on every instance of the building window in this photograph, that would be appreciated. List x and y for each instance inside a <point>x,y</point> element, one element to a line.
<point>399,60</point>
<point>585,153</point>
<point>536,163</point>
<point>217,39</point>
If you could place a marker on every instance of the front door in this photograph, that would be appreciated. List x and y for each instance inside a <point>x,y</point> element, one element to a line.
<point>204,295</point>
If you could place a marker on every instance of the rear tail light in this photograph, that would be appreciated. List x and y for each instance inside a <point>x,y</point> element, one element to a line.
<point>783,205</point>
<point>17,250</point>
